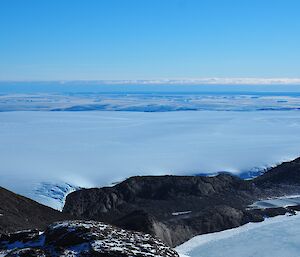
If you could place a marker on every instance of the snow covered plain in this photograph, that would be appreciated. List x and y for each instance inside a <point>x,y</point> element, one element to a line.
<point>87,149</point>
<point>275,237</point>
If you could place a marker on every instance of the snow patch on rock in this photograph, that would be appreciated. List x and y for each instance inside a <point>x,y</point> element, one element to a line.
<point>86,238</point>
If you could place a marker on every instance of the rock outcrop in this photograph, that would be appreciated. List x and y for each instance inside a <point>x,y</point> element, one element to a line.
<point>84,238</point>
<point>173,208</point>
<point>281,180</point>
<point>176,208</point>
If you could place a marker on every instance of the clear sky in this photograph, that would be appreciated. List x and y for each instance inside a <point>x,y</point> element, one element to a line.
<point>148,39</point>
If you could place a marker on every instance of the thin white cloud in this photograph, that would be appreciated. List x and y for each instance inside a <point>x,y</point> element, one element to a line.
<point>184,81</point>
<point>213,81</point>
<point>205,81</point>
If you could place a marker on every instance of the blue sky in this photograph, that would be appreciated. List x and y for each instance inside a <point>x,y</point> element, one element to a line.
<point>148,39</point>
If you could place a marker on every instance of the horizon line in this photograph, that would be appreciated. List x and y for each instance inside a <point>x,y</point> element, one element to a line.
<point>185,81</point>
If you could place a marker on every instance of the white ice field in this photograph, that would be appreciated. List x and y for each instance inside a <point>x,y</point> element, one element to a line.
<point>98,148</point>
<point>275,237</point>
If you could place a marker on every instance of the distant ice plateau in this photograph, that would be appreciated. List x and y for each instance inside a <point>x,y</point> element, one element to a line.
<point>93,149</point>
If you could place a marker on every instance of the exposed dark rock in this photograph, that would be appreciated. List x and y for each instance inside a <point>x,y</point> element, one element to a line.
<point>21,236</point>
<point>20,213</point>
<point>176,208</point>
<point>159,196</point>
<point>27,252</point>
<point>294,208</point>
<point>283,179</point>
<point>137,220</point>
<point>272,212</point>
<point>285,173</point>
<point>90,238</point>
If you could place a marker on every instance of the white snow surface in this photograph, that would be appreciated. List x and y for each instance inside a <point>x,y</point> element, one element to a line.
<point>274,237</point>
<point>54,194</point>
<point>88,149</point>
<point>181,213</point>
<point>277,202</point>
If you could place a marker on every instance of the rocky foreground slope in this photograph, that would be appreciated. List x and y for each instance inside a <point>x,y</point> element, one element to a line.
<point>18,213</point>
<point>176,208</point>
<point>83,238</point>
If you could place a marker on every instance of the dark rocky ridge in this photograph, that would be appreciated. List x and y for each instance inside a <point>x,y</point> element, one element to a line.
<point>172,208</point>
<point>280,180</point>
<point>18,213</point>
<point>176,208</point>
